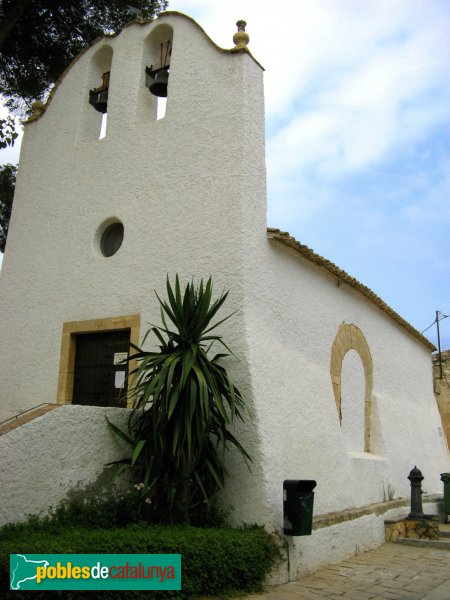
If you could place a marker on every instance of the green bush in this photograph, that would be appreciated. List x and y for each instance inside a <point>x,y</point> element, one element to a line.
<point>214,561</point>
<point>113,509</point>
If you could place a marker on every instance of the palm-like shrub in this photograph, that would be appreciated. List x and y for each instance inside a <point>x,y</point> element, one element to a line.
<point>184,405</point>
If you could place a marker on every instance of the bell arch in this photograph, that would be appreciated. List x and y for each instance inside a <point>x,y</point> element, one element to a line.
<point>350,337</point>
<point>157,57</point>
<point>93,125</point>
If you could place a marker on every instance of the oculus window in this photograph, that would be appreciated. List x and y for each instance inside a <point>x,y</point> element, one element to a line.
<point>111,239</point>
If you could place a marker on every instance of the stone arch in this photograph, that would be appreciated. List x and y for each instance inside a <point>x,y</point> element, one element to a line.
<point>350,337</point>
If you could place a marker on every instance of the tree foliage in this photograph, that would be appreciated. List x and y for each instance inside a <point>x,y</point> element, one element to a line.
<point>8,132</point>
<point>185,406</point>
<point>7,185</point>
<point>39,39</point>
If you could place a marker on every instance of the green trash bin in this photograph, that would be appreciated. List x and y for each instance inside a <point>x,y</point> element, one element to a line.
<point>298,500</point>
<point>445,477</point>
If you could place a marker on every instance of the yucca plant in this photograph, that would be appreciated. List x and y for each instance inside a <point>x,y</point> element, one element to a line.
<point>184,405</point>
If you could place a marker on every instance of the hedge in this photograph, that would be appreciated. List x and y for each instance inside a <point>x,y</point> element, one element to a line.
<point>215,562</point>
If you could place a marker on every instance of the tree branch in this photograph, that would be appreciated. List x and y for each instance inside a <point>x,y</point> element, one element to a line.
<point>8,21</point>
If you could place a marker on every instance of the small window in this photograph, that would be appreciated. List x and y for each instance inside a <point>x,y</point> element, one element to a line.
<point>112,239</point>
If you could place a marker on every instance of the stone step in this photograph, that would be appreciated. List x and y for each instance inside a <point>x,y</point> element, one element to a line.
<point>440,544</point>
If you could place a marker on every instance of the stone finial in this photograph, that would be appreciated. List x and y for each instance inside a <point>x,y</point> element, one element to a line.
<point>241,38</point>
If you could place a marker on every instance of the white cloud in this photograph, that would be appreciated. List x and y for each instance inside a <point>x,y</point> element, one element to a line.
<point>379,81</point>
<point>430,207</point>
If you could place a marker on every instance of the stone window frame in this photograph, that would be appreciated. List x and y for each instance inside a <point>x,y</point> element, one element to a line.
<point>68,348</point>
<point>350,337</point>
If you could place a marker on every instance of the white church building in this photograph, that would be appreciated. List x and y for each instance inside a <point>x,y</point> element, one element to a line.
<point>112,195</point>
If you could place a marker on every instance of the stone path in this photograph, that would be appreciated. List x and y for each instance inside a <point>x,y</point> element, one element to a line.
<point>391,572</point>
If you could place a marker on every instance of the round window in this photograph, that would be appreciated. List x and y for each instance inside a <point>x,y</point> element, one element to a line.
<point>112,239</point>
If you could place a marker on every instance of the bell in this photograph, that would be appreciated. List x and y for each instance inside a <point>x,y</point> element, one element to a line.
<point>98,97</point>
<point>159,86</point>
<point>99,101</point>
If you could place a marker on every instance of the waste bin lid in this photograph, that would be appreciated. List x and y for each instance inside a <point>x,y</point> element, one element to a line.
<point>299,485</point>
<point>445,476</point>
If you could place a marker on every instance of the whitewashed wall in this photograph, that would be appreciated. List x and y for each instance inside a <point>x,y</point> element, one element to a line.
<point>183,186</point>
<point>62,452</point>
<point>343,540</point>
<point>293,313</point>
<point>294,310</point>
<point>177,185</point>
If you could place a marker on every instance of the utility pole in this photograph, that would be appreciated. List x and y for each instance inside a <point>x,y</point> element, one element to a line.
<point>439,344</point>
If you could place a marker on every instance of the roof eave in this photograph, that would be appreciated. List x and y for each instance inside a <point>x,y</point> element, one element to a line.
<point>286,239</point>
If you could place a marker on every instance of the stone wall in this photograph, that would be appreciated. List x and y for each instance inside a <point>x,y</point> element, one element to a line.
<point>417,529</point>
<point>442,390</point>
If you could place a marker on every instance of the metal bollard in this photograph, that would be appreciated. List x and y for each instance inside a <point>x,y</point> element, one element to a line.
<point>415,476</point>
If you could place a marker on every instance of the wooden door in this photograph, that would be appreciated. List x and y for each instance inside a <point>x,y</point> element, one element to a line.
<point>99,378</point>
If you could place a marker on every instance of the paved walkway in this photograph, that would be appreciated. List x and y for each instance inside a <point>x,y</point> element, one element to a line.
<point>392,571</point>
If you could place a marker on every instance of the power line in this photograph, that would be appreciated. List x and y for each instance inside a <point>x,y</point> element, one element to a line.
<point>436,321</point>
<point>429,326</point>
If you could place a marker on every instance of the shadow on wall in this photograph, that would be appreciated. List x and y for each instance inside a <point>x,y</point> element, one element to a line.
<point>81,445</point>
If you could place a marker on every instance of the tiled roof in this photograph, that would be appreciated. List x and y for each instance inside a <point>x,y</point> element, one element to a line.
<point>288,240</point>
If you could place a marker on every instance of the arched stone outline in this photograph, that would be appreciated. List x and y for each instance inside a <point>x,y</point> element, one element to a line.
<point>350,337</point>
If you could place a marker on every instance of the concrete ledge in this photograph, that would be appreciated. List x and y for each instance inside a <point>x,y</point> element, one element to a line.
<point>377,508</point>
<point>26,417</point>
<point>437,544</point>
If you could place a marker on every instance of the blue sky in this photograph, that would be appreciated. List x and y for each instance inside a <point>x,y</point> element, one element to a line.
<point>357,133</point>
